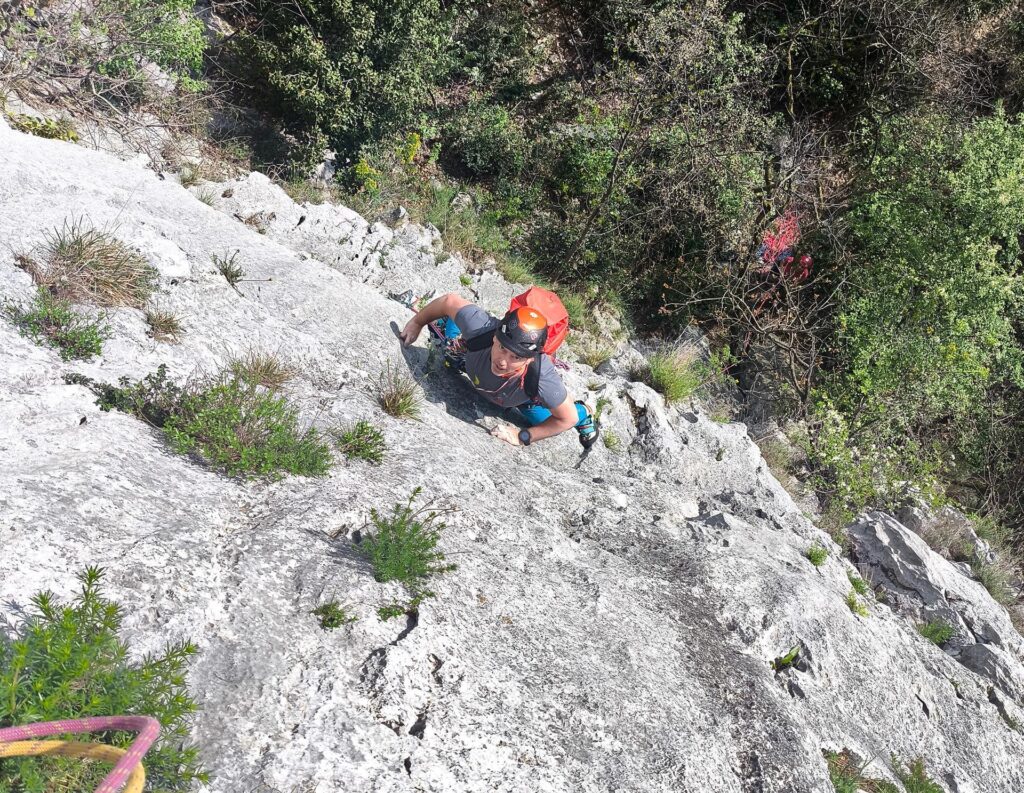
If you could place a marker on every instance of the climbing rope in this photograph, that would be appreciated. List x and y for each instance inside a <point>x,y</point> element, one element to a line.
<point>127,771</point>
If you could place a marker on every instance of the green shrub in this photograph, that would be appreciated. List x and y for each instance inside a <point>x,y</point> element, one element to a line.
<point>487,141</point>
<point>235,425</point>
<point>403,545</point>
<point>936,631</point>
<point>670,374</point>
<point>65,661</point>
<point>362,441</point>
<point>52,321</point>
<point>86,265</point>
<point>397,393</point>
<point>55,129</point>
<point>339,75</point>
<point>243,429</point>
<point>333,616</point>
<point>612,442</point>
<point>816,554</point>
<point>787,660</point>
<point>465,279</point>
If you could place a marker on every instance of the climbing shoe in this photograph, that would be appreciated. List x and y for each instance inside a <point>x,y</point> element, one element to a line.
<point>587,428</point>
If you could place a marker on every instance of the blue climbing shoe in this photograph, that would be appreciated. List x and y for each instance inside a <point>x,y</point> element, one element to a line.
<point>587,428</point>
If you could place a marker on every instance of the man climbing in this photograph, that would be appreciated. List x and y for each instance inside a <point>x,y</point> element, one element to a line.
<point>505,361</point>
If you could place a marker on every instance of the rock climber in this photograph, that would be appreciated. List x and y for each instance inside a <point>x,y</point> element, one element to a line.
<point>505,362</point>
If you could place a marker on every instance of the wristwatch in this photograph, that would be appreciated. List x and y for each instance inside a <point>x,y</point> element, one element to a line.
<point>524,437</point>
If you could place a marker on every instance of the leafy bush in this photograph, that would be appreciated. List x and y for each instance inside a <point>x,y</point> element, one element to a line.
<point>936,631</point>
<point>333,616</point>
<point>339,75</point>
<point>66,661</point>
<point>241,428</point>
<point>236,425</point>
<point>54,129</point>
<point>816,554</point>
<point>86,265</point>
<point>487,141</point>
<point>403,546</point>
<point>397,393</point>
<point>52,321</point>
<point>362,441</point>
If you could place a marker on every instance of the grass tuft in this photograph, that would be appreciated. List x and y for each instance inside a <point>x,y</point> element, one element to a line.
<point>362,441</point>
<point>397,393</point>
<point>164,326</point>
<point>226,266</point>
<point>86,265</point>
<point>860,586</point>
<point>855,605</point>
<point>611,440</point>
<point>996,577</point>
<point>937,631</point>
<point>594,352</point>
<point>262,368</point>
<point>52,321</point>
<point>332,615</point>
<point>816,554</point>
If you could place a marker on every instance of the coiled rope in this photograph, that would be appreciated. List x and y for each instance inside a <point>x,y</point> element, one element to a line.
<point>127,771</point>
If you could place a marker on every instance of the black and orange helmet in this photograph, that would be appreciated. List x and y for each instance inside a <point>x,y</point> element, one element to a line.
<point>523,331</point>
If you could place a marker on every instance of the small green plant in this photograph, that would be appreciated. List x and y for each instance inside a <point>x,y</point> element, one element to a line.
<point>55,129</point>
<point>612,442</point>
<point>855,605</point>
<point>860,586</point>
<point>164,326</point>
<point>816,554</point>
<point>936,631</point>
<point>847,775</point>
<point>391,611</point>
<point>235,425</point>
<point>333,616</point>
<point>787,660</point>
<point>52,321</point>
<point>229,268</point>
<point>915,778</point>
<point>397,393</point>
<point>465,279</point>
<point>206,196</point>
<point>86,265</point>
<point>66,661</point>
<point>362,441</point>
<point>403,546</point>
<point>668,373</point>
<point>262,368</point>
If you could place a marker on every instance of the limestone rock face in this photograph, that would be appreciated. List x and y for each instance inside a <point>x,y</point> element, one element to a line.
<point>613,618</point>
<point>926,587</point>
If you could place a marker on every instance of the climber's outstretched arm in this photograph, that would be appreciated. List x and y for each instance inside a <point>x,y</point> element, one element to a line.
<point>446,305</point>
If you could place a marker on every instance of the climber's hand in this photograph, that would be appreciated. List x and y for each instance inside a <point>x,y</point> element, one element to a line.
<point>507,433</point>
<point>410,332</point>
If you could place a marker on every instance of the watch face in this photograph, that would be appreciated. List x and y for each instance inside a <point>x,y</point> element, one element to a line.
<point>524,437</point>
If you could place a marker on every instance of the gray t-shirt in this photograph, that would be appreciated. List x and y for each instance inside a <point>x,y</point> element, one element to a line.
<point>504,391</point>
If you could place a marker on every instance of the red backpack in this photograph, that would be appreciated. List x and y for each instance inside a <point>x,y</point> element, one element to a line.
<point>550,307</point>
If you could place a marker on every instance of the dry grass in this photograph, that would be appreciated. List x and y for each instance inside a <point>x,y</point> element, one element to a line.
<point>397,393</point>
<point>85,265</point>
<point>164,326</point>
<point>266,369</point>
<point>593,352</point>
